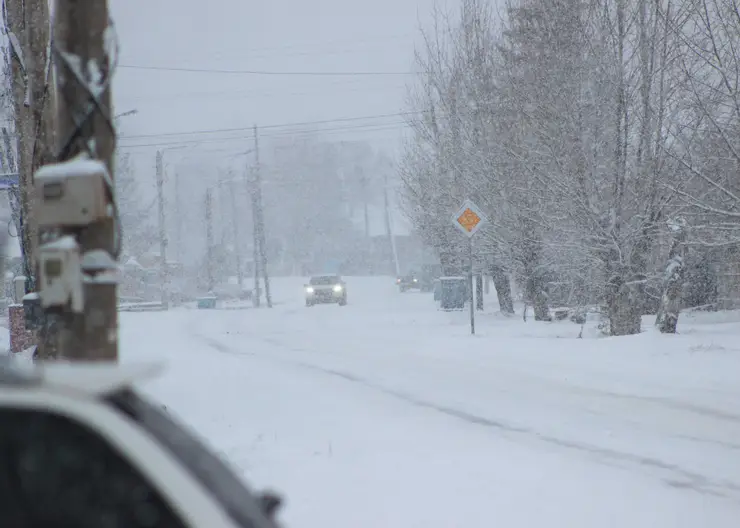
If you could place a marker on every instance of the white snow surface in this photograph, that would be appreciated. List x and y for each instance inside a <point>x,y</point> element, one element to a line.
<point>387,413</point>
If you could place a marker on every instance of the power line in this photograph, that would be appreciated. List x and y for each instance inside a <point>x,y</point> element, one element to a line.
<point>331,43</point>
<point>265,72</point>
<point>269,127</point>
<point>370,127</point>
<point>252,94</point>
<point>282,133</point>
<point>323,49</point>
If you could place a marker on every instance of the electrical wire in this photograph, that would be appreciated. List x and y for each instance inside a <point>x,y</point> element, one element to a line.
<point>265,72</point>
<point>274,126</point>
<point>321,91</point>
<point>331,44</point>
<point>286,133</point>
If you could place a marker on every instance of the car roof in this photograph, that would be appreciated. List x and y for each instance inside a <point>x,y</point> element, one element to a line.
<point>88,378</point>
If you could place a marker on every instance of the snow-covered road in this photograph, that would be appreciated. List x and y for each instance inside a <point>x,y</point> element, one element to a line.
<point>387,413</point>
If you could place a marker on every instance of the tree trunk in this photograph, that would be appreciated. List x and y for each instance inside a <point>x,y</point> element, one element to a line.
<point>622,310</point>
<point>503,289</point>
<point>535,283</point>
<point>28,27</point>
<point>670,305</point>
<point>16,22</point>
<point>537,296</point>
<point>639,260</point>
<point>535,292</point>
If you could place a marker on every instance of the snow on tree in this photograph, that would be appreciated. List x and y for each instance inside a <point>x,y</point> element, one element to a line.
<point>556,122</point>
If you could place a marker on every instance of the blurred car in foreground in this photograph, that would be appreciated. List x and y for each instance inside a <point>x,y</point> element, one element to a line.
<point>81,447</point>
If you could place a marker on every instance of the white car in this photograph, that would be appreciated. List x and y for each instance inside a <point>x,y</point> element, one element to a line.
<point>326,289</point>
<point>80,447</point>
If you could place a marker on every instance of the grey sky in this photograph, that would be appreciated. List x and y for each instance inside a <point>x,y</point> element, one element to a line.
<point>267,35</point>
<point>276,36</point>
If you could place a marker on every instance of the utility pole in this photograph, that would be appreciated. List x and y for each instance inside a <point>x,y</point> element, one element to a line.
<point>178,219</point>
<point>249,183</point>
<point>163,273</point>
<point>209,238</point>
<point>223,215</point>
<point>389,227</point>
<point>237,237</point>
<point>257,294</point>
<point>85,125</point>
<point>363,183</point>
<point>260,225</point>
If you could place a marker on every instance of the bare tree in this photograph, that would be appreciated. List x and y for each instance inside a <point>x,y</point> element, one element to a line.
<point>585,129</point>
<point>28,29</point>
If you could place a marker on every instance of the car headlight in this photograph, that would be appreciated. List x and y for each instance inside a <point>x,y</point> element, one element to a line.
<point>338,288</point>
<point>309,289</point>
<point>415,280</point>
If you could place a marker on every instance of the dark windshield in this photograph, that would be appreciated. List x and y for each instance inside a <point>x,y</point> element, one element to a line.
<point>324,280</point>
<point>206,467</point>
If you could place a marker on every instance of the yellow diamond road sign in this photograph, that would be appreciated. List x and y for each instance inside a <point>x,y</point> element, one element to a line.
<point>469,218</point>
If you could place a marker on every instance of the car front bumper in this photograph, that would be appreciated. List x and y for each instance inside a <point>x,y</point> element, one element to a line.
<point>325,296</point>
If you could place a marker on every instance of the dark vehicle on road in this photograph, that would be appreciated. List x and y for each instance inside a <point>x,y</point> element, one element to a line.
<point>421,281</point>
<point>326,289</point>
<point>408,282</point>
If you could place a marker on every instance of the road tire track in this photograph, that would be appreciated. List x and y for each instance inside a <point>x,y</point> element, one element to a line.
<point>673,475</point>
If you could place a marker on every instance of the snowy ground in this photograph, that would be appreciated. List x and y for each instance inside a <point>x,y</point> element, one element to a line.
<point>387,413</point>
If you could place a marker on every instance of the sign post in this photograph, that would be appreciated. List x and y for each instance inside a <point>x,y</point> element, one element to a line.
<point>469,219</point>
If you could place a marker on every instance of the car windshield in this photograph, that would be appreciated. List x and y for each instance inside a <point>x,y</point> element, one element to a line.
<point>206,467</point>
<point>324,280</point>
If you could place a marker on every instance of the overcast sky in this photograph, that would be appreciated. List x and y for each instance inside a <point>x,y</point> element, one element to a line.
<point>279,37</point>
<point>272,36</point>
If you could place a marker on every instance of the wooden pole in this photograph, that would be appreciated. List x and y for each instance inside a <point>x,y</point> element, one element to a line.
<point>237,236</point>
<point>257,294</point>
<point>178,219</point>
<point>85,125</point>
<point>163,272</point>
<point>209,239</point>
<point>260,218</point>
